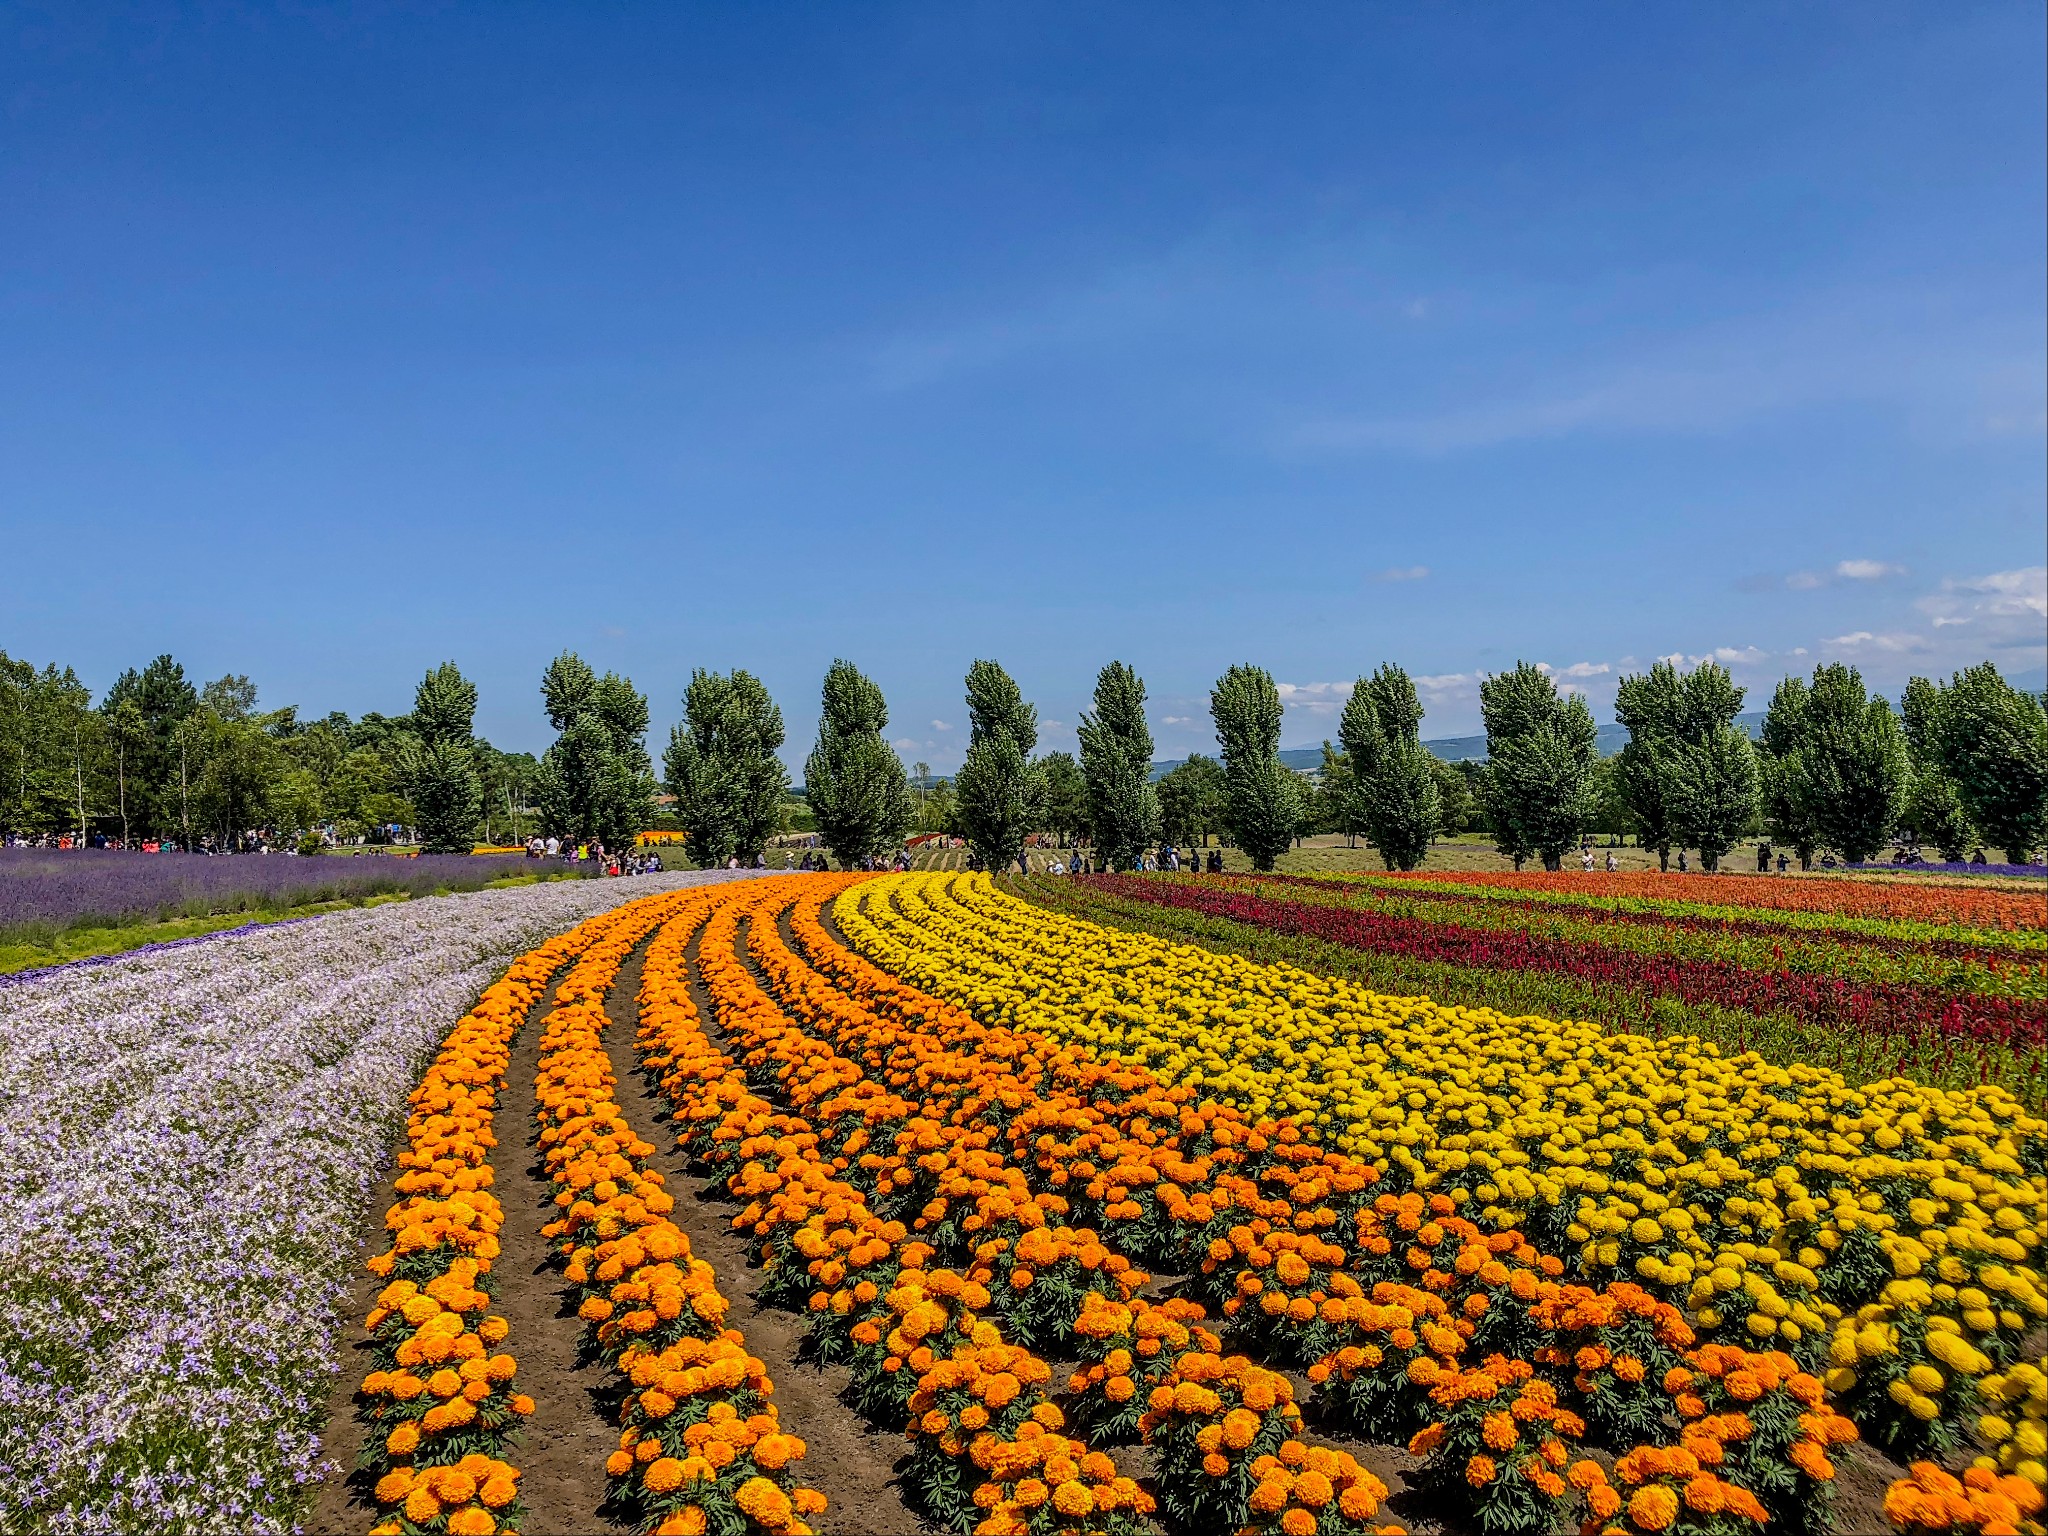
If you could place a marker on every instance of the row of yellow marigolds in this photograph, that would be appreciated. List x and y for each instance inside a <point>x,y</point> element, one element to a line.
<point>1887,1233</point>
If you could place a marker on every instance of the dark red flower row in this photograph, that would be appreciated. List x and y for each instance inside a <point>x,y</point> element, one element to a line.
<point>1758,926</point>
<point>1899,1010</point>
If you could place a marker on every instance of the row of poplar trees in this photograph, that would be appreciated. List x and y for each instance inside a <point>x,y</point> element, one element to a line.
<point>1836,767</point>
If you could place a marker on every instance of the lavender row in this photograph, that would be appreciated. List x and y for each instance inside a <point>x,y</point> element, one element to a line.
<point>44,890</point>
<point>187,1141</point>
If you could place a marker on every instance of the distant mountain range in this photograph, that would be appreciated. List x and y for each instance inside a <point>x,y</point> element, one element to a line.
<point>1458,749</point>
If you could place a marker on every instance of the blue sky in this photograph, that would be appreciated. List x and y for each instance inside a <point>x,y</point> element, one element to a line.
<point>337,341</point>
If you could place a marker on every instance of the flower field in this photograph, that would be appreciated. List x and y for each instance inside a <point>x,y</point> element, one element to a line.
<point>1085,1231</point>
<point>1857,976</point>
<point>185,1152</point>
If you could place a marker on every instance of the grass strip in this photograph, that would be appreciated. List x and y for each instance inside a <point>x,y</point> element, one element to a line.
<point>1777,1038</point>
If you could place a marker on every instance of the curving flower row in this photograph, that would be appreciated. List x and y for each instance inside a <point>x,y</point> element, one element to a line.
<point>439,1408</point>
<point>1897,1330</point>
<point>701,1447</point>
<point>1907,1000</point>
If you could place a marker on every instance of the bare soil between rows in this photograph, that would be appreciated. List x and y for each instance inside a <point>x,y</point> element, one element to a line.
<point>561,1449</point>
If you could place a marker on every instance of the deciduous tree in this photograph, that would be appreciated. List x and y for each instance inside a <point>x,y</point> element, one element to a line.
<point>854,782</point>
<point>1934,806</point>
<point>997,788</point>
<point>1850,772</point>
<point>1191,797</point>
<point>1994,743</point>
<point>1261,804</point>
<point>723,769</point>
<point>1787,818</point>
<point>1116,761</point>
<point>1539,775</point>
<point>1381,728</point>
<point>437,762</point>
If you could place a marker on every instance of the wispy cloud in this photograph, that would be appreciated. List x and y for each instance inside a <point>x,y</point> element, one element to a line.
<point>1315,698</point>
<point>1402,573</point>
<point>1957,380</point>
<point>2005,608</point>
<point>1863,642</point>
<point>1866,570</point>
<point>940,725</point>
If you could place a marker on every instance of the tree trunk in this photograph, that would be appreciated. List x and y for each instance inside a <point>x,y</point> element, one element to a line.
<point>121,775</point>
<point>78,772</point>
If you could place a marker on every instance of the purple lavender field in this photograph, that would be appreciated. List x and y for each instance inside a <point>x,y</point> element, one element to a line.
<point>44,892</point>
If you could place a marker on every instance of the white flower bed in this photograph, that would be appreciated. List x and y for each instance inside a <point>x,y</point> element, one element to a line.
<point>187,1140</point>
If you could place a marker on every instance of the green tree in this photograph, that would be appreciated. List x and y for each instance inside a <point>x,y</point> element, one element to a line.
<point>1649,706</point>
<point>1453,795</point>
<point>1610,810</point>
<point>1261,805</point>
<point>854,784</point>
<point>722,768</point>
<point>163,697</point>
<point>1850,773</point>
<point>595,782</point>
<point>1934,806</point>
<point>437,762</point>
<point>232,698</point>
<point>1710,769</point>
<point>1063,797</point>
<point>127,739</point>
<point>1191,799</point>
<point>1338,806</point>
<point>1994,744</point>
<point>1787,818</point>
<point>1381,728</point>
<point>239,765</point>
<point>1116,761</point>
<point>998,786</point>
<point>1540,753</point>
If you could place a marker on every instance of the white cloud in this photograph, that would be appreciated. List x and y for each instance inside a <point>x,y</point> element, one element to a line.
<point>1176,719</point>
<point>940,725</point>
<point>1577,669</point>
<point>1443,687</point>
<point>1403,573</point>
<point>2012,605</point>
<point>1867,570</point>
<point>1804,581</point>
<point>905,745</point>
<point>1863,643</point>
<point>1316,698</point>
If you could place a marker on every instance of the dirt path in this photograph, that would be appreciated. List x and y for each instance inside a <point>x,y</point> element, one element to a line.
<point>846,1459</point>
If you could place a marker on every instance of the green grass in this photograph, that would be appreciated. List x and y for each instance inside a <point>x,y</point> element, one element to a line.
<point>1780,1039</point>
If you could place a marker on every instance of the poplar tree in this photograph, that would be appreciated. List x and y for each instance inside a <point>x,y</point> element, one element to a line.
<point>1648,705</point>
<point>1849,773</point>
<point>1994,744</point>
<point>1191,800</point>
<point>1710,769</point>
<point>437,762</point>
<point>596,780</point>
<point>853,780</point>
<point>1116,761</point>
<point>1539,775</point>
<point>1787,818</point>
<point>722,768</point>
<point>1261,804</point>
<point>1934,806</point>
<point>997,788</point>
<point>1393,782</point>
